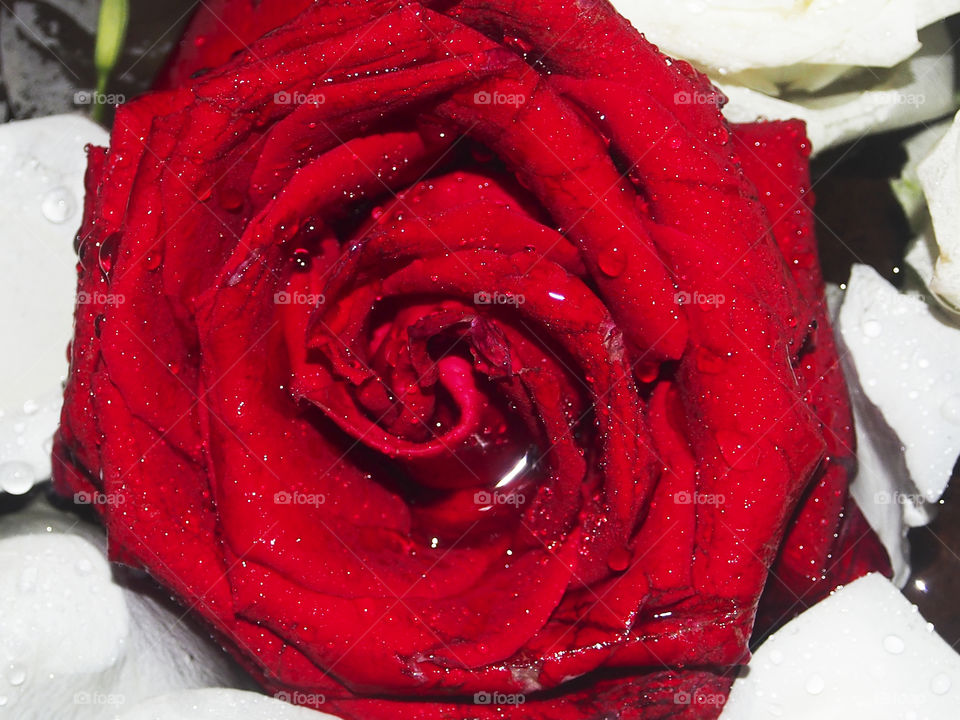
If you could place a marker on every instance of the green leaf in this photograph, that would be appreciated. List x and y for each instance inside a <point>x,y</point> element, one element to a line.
<point>111,34</point>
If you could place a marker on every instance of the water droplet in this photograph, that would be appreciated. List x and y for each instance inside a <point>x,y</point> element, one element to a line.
<point>894,644</point>
<point>612,261</point>
<point>230,199</point>
<point>3,700</point>
<point>30,407</point>
<point>872,328</point>
<point>776,657</point>
<point>59,205</point>
<point>647,371</point>
<point>84,566</point>
<point>153,260</point>
<point>950,409</point>
<point>108,252</point>
<point>16,477</point>
<point>619,559</point>
<point>815,684</point>
<point>721,136</point>
<point>16,674</point>
<point>302,259</point>
<point>941,684</point>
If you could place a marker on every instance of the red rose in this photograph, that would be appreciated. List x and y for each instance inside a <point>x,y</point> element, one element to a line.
<point>467,363</point>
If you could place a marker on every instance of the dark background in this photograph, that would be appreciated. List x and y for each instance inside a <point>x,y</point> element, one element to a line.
<point>46,49</point>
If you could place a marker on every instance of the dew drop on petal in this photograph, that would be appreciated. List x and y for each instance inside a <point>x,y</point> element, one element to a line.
<point>58,205</point>
<point>815,684</point>
<point>619,559</point>
<point>16,674</point>
<point>612,261</point>
<point>941,684</point>
<point>16,477</point>
<point>108,252</point>
<point>153,260</point>
<point>894,644</point>
<point>950,409</point>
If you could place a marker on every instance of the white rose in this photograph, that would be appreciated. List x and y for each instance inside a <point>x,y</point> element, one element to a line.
<point>847,68</point>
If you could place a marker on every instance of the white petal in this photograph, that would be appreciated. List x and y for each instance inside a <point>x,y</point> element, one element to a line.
<point>939,176</point>
<point>864,652</point>
<point>220,704</point>
<point>75,644</point>
<point>904,353</point>
<point>907,187</point>
<point>917,90</point>
<point>42,163</point>
<point>732,35</point>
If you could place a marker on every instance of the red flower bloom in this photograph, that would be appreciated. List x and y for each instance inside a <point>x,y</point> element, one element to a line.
<point>463,350</point>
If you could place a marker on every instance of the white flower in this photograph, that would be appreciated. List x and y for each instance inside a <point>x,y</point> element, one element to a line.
<point>847,68</point>
<point>936,253</point>
<point>77,645</point>
<point>864,652</point>
<point>42,163</point>
<point>906,394</point>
